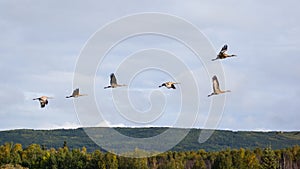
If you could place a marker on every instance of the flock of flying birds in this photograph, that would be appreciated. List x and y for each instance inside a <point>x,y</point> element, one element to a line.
<point>170,85</point>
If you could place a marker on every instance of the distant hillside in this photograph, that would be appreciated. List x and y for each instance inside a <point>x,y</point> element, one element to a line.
<point>220,140</point>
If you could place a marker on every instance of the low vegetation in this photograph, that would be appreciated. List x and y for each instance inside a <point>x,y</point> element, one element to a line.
<point>35,157</point>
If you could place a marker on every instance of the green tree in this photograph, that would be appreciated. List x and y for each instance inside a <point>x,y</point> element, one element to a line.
<point>61,156</point>
<point>51,162</point>
<point>97,160</point>
<point>111,161</point>
<point>16,151</point>
<point>251,160</point>
<point>238,158</point>
<point>199,163</point>
<point>171,164</point>
<point>5,153</point>
<point>76,159</point>
<point>32,156</point>
<point>269,159</point>
<point>223,161</point>
<point>65,145</point>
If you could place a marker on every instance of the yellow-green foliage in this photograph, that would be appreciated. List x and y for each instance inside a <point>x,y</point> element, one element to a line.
<point>33,156</point>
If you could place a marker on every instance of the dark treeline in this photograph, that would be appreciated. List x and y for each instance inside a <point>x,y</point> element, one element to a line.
<point>220,139</point>
<point>36,156</point>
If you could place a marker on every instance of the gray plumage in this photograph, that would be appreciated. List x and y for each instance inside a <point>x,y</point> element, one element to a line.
<point>222,54</point>
<point>113,82</point>
<point>169,85</point>
<point>43,100</point>
<point>216,87</point>
<point>76,94</point>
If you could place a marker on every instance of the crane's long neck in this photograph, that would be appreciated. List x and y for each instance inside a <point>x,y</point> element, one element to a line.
<point>107,87</point>
<point>211,94</point>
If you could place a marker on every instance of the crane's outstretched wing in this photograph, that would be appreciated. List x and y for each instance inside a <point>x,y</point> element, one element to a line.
<point>75,92</point>
<point>113,79</point>
<point>224,49</point>
<point>215,84</point>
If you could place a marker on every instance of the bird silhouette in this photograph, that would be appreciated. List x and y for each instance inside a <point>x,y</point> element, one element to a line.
<point>222,54</point>
<point>169,85</point>
<point>43,100</point>
<point>216,87</point>
<point>76,94</point>
<point>113,82</point>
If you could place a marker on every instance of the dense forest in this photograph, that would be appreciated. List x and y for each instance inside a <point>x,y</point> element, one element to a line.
<point>220,140</point>
<point>36,157</point>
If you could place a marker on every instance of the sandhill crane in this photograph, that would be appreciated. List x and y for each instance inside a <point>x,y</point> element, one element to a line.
<point>222,54</point>
<point>113,82</point>
<point>76,94</point>
<point>43,100</point>
<point>169,85</point>
<point>216,87</point>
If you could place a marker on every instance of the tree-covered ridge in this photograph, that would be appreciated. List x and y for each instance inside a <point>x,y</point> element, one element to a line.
<point>220,139</point>
<point>35,157</point>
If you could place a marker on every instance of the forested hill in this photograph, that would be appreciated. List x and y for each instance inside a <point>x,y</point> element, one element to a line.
<point>220,140</point>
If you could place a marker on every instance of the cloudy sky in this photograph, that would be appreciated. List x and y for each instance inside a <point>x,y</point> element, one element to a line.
<point>41,43</point>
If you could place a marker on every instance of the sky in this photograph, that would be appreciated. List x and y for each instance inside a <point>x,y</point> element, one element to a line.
<point>42,42</point>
